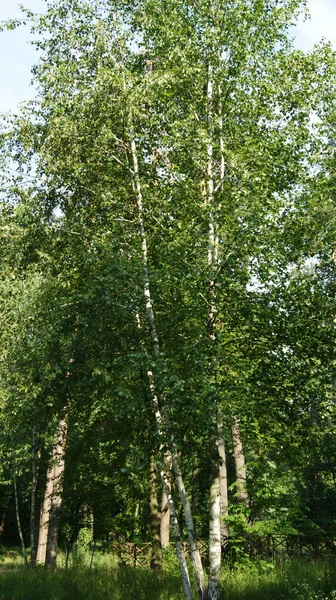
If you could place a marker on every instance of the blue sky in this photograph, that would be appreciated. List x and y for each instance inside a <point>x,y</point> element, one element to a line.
<point>17,56</point>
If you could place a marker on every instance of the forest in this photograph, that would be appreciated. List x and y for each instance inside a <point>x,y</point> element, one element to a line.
<point>167,302</point>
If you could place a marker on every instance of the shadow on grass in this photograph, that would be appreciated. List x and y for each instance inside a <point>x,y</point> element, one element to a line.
<point>290,581</point>
<point>82,584</point>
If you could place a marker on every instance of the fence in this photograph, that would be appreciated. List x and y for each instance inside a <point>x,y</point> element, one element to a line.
<point>267,547</point>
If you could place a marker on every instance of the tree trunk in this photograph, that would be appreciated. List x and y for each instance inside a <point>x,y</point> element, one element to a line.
<point>223,484</point>
<point>161,415</point>
<point>17,513</point>
<point>165,512</point>
<point>91,523</point>
<point>49,518</point>
<point>215,496</point>
<point>155,514</point>
<point>44,517</point>
<point>178,541</point>
<point>194,552</point>
<point>56,496</point>
<point>33,504</point>
<point>165,521</point>
<point>239,460</point>
<point>214,540</point>
<point>3,521</point>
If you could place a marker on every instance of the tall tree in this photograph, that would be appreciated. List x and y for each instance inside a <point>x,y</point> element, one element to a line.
<point>172,164</point>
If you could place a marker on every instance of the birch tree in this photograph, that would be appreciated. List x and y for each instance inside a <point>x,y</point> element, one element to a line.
<point>175,131</point>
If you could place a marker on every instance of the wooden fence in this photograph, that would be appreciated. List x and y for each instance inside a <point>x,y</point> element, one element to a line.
<point>267,547</point>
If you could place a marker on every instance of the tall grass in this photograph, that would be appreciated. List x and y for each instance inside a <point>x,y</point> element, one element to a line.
<point>83,584</point>
<point>292,580</point>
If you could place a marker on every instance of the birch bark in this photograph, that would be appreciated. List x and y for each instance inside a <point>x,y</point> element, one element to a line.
<point>155,513</point>
<point>165,512</point>
<point>223,484</point>
<point>178,541</point>
<point>17,513</point>
<point>239,459</point>
<point>161,414</point>
<point>33,503</point>
<point>165,521</point>
<point>215,497</point>
<point>223,478</point>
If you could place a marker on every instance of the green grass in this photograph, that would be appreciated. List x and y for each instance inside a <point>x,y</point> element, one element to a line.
<point>82,584</point>
<point>292,580</point>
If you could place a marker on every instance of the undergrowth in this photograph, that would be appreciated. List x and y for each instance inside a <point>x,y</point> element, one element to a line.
<point>291,580</point>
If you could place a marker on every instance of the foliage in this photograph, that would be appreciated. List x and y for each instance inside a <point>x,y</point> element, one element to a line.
<point>76,333</point>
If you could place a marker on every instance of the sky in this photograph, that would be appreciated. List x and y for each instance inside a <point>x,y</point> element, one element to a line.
<point>17,56</point>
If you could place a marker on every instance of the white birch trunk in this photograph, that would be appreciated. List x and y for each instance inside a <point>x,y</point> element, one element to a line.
<point>194,552</point>
<point>33,503</point>
<point>221,136</point>
<point>165,512</point>
<point>223,484</point>
<point>17,513</point>
<point>165,521</point>
<point>178,541</point>
<point>223,478</point>
<point>215,541</point>
<point>239,460</point>
<point>162,417</point>
<point>155,517</point>
<point>215,497</point>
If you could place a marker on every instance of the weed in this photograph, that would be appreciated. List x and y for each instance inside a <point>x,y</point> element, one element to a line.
<point>258,580</point>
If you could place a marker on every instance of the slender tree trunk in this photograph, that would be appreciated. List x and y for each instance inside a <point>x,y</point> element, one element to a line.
<point>195,486</point>
<point>161,415</point>
<point>223,478</point>
<point>56,497</point>
<point>214,541</point>
<point>177,536</point>
<point>223,484</point>
<point>44,517</point>
<point>215,496</point>
<point>3,521</point>
<point>155,514</point>
<point>194,552</point>
<point>18,520</point>
<point>239,460</point>
<point>91,523</point>
<point>136,520</point>
<point>33,503</point>
<point>165,521</point>
<point>165,512</point>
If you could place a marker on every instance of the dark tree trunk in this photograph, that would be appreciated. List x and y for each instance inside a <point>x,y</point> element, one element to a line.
<point>155,514</point>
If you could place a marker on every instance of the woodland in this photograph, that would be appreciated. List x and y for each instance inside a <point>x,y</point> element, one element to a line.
<point>167,301</point>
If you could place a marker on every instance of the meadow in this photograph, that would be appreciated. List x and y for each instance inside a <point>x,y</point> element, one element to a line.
<point>297,580</point>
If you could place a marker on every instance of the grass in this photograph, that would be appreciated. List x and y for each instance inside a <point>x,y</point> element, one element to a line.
<point>292,580</point>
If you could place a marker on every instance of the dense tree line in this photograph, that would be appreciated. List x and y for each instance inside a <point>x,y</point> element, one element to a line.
<point>168,280</point>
